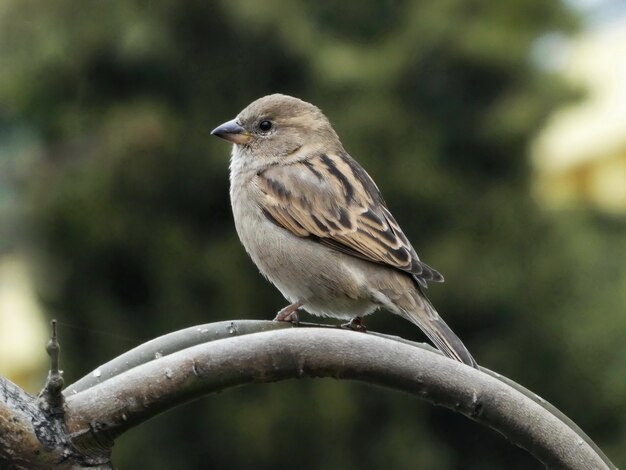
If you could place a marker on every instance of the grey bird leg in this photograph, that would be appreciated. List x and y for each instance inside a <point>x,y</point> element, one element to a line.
<point>355,324</point>
<point>289,313</point>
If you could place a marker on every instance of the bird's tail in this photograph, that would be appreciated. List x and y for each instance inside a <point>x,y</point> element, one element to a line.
<point>429,321</point>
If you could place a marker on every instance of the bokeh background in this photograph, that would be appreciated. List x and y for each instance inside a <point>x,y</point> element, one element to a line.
<point>496,131</point>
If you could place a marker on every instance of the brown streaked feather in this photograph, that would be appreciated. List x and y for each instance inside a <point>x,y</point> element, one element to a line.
<point>318,198</point>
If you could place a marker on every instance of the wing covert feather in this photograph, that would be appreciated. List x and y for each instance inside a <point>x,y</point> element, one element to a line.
<point>330,197</point>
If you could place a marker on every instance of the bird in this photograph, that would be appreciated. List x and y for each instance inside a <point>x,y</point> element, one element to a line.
<point>317,227</point>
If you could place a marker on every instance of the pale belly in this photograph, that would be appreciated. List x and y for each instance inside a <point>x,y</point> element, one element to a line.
<point>325,281</point>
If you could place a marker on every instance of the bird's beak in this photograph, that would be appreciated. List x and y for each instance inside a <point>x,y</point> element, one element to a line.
<point>233,132</point>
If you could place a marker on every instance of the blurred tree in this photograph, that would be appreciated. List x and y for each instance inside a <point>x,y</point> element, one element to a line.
<point>438,99</point>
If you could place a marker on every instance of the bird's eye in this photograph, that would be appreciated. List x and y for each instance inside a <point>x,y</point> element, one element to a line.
<point>265,126</point>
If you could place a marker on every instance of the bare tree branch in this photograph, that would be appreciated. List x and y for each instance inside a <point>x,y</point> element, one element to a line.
<point>32,438</point>
<point>170,343</point>
<point>187,364</point>
<point>32,429</point>
<point>104,411</point>
<point>181,339</point>
<point>192,336</point>
<point>17,413</point>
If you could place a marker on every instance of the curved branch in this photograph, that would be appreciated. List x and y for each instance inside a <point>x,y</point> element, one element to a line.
<point>192,336</point>
<point>108,409</point>
<point>181,339</point>
<point>171,343</point>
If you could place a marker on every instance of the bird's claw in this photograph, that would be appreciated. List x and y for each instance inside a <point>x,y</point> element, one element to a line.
<point>289,314</point>
<point>355,324</point>
<point>292,317</point>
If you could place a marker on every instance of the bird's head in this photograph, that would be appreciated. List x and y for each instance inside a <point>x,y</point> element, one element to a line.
<point>276,126</point>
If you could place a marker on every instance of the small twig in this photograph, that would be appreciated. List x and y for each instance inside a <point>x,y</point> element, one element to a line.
<point>51,394</point>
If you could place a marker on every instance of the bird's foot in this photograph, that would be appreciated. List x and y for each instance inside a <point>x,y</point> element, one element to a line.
<point>355,324</point>
<point>289,313</point>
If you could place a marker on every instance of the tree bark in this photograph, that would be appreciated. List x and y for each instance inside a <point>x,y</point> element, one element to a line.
<point>174,369</point>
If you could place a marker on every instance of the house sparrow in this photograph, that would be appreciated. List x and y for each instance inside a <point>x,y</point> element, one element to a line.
<point>316,225</point>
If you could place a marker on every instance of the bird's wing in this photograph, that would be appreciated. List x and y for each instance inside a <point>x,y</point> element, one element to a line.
<point>330,198</point>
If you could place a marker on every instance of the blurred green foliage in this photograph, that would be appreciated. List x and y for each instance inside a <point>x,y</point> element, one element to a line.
<point>127,207</point>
